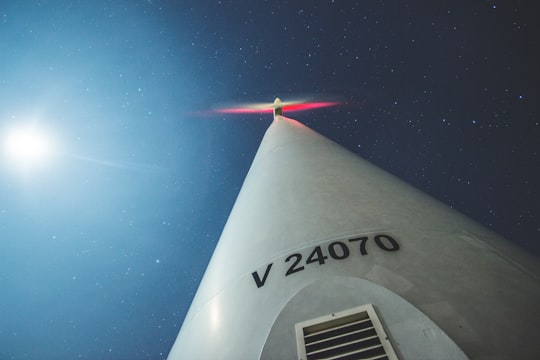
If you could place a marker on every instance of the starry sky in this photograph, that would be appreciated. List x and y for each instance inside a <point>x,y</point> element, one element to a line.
<point>104,240</point>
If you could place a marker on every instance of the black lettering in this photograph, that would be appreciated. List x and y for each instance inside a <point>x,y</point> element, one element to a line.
<point>258,280</point>
<point>392,246</point>
<point>316,255</point>
<point>293,267</point>
<point>344,250</point>
<point>363,240</point>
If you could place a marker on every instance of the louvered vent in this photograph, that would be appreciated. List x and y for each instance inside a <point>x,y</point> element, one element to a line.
<point>351,334</point>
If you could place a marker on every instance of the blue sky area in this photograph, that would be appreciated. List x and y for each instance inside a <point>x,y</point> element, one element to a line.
<point>105,236</point>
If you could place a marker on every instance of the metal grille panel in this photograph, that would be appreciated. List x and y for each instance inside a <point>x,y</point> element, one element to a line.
<point>352,334</point>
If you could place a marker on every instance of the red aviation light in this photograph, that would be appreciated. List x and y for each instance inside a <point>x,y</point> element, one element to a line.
<point>309,106</point>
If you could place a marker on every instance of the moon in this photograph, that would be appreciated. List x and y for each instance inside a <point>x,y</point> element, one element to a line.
<point>27,147</point>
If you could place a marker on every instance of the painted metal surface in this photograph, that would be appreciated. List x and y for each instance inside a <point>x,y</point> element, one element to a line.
<point>442,283</point>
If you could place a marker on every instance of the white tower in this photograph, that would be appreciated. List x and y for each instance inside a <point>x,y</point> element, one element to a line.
<point>325,255</point>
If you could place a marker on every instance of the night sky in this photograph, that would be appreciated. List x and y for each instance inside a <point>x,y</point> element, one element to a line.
<point>105,236</point>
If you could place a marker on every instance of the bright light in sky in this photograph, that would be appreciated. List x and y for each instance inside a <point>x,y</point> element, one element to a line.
<point>27,147</point>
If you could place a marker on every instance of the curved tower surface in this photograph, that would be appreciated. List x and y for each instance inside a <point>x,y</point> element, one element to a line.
<point>324,255</point>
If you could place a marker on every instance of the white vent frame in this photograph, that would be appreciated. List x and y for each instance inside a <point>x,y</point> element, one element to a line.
<point>333,322</point>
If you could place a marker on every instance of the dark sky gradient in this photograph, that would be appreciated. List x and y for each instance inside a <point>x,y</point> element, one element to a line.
<point>102,248</point>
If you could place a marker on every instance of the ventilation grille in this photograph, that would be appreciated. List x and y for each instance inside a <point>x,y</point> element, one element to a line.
<point>352,334</point>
